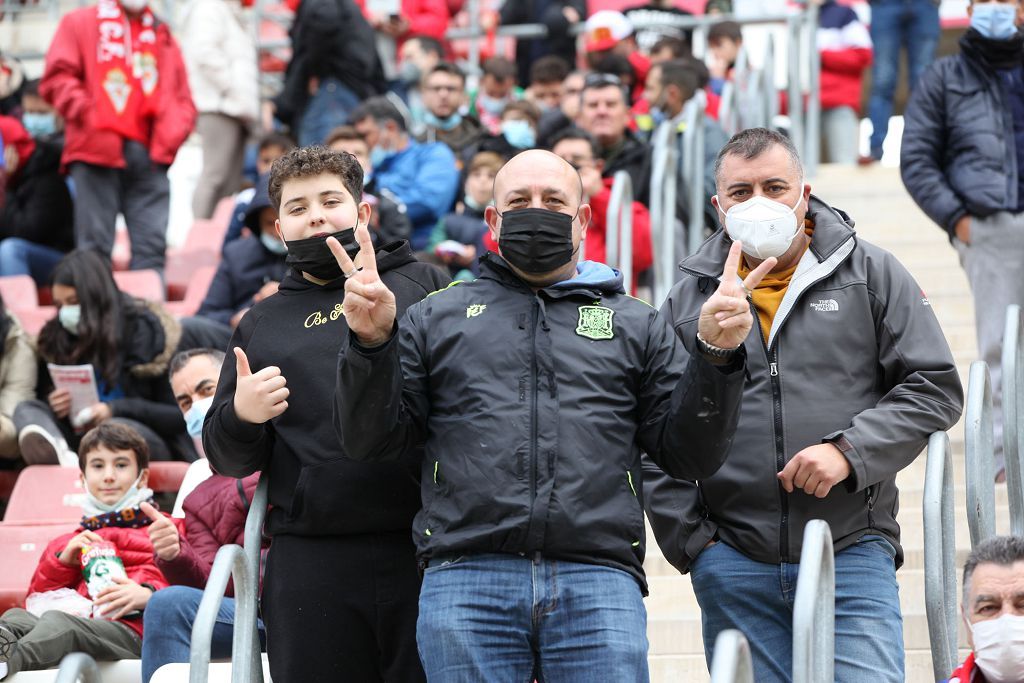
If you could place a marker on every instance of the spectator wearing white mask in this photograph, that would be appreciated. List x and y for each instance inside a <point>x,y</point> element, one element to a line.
<point>993,610</point>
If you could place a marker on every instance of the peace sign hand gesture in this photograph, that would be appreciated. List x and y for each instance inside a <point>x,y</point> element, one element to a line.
<point>369,305</point>
<point>725,318</point>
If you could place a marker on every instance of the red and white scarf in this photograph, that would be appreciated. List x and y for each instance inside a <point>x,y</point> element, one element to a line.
<point>129,71</point>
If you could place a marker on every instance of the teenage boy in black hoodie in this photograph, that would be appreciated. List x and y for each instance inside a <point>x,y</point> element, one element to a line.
<point>341,585</point>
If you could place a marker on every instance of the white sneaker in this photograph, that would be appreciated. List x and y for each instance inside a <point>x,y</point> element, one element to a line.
<point>39,447</point>
<point>8,641</point>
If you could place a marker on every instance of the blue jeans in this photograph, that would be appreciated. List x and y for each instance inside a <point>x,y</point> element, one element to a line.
<point>895,24</point>
<point>21,257</point>
<point>757,599</point>
<point>327,109</point>
<point>492,617</point>
<point>167,626</point>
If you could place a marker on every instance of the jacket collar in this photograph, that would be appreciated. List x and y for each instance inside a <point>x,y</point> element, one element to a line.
<point>494,267</point>
<point>832,229</point>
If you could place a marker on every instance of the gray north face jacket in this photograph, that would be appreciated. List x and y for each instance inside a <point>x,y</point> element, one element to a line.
<point>855,357</point>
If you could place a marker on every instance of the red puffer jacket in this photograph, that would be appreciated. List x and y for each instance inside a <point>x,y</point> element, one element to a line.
<point>214,516</point>
<point>134,549</point>
<point>68,84</point>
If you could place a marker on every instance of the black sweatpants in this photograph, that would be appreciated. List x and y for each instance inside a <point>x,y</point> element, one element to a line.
<point>342,608</point>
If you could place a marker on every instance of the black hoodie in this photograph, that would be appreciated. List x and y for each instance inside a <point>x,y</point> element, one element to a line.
<point>314,489</point>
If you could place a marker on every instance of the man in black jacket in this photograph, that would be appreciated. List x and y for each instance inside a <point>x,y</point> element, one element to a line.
<point>339,597</point>
<point>533,389</point>
<point>961,161</point>
<point>334,66</point>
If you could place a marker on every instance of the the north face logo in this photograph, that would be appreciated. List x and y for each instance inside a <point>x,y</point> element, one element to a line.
<point>825,305</point>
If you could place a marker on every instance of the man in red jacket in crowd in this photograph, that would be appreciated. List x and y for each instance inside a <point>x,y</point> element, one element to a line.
<point>114,461</point>
<point>214,516</point>
<point>845,47</point>
<point>116,76</point>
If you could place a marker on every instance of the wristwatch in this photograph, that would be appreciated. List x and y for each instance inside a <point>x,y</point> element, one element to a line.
<point>715,351</point>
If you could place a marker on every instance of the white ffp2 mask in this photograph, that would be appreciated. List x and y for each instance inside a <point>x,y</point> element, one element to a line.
<point>765,227</point>
<point>999,648</point>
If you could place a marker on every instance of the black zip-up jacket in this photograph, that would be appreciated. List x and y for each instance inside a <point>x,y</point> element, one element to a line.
<point>855,357</point>
<point>958,155</point>
<point>314,489</point>
<point>533,408</point>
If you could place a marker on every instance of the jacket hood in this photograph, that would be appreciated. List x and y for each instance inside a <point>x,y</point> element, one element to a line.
<point>594,274</point>
<point>832,228</point>
<point>592,278</point>
<point>260,201</point>
<point>389,257</point>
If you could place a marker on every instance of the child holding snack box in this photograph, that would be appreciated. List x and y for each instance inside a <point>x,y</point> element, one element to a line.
<point>108,561</point>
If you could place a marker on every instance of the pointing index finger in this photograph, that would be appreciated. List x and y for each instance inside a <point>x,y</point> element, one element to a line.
<point>340,255</point>
<point>732,263</point>
<point>367,254</point>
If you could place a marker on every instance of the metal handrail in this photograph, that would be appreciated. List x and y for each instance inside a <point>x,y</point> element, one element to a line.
<point>940,555</point>
<point>1013,385</point>
<point>731,663</point>
<point>619,230</point>
<point>693,168</point>
<point>981,495</point>
<point>76,667</point>
<point>229,563</point>
<point>814,607</point>
<point>664,184</point>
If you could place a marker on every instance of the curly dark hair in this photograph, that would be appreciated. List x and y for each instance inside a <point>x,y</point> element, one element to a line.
<point>306,162</point>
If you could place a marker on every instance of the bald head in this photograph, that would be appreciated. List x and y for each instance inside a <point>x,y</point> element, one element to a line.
<point>537,169</point>
<point>537,179</point>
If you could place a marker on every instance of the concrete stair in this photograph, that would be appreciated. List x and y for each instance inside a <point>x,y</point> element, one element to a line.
<point>886,216</point>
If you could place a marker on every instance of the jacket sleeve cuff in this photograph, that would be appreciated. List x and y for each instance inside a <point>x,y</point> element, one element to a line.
<point>858,471</point>
<point>372,351</point>
<point>235,427</point>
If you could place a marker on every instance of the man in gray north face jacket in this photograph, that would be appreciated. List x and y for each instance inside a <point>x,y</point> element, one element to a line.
<point>847,379</point>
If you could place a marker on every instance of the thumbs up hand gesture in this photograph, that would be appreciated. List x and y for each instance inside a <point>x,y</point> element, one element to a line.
<point>162,534</point>
<point>258,396</point>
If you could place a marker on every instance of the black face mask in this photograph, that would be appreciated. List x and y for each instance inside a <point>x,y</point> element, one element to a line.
<point>313,256</point>
<point>536,240</point>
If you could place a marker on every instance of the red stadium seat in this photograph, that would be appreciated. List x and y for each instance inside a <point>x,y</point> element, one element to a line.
<point>19,292</point>
<point>194,294</point>
<point>182,268</point>
<point>167,476</point>
<point>145,284</point>
<point>33,319</point>
<point>46,493</point>
<point>21,546</point>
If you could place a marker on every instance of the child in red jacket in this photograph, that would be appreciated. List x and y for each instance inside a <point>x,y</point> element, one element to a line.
<point>114,461</point>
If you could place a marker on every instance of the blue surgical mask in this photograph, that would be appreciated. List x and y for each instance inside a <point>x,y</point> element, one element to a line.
<point>474,204</point>
<point>93,506</point>
<point>658,116</point>
<point>491,105</point>
<point>378,155</point>
<point>273,244</point>
<point>195,415</point>
<point>447,123</point>
<point>519,133</point>
<point>69,316</point>
<point>995,20</point>
<point>39,124</point>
